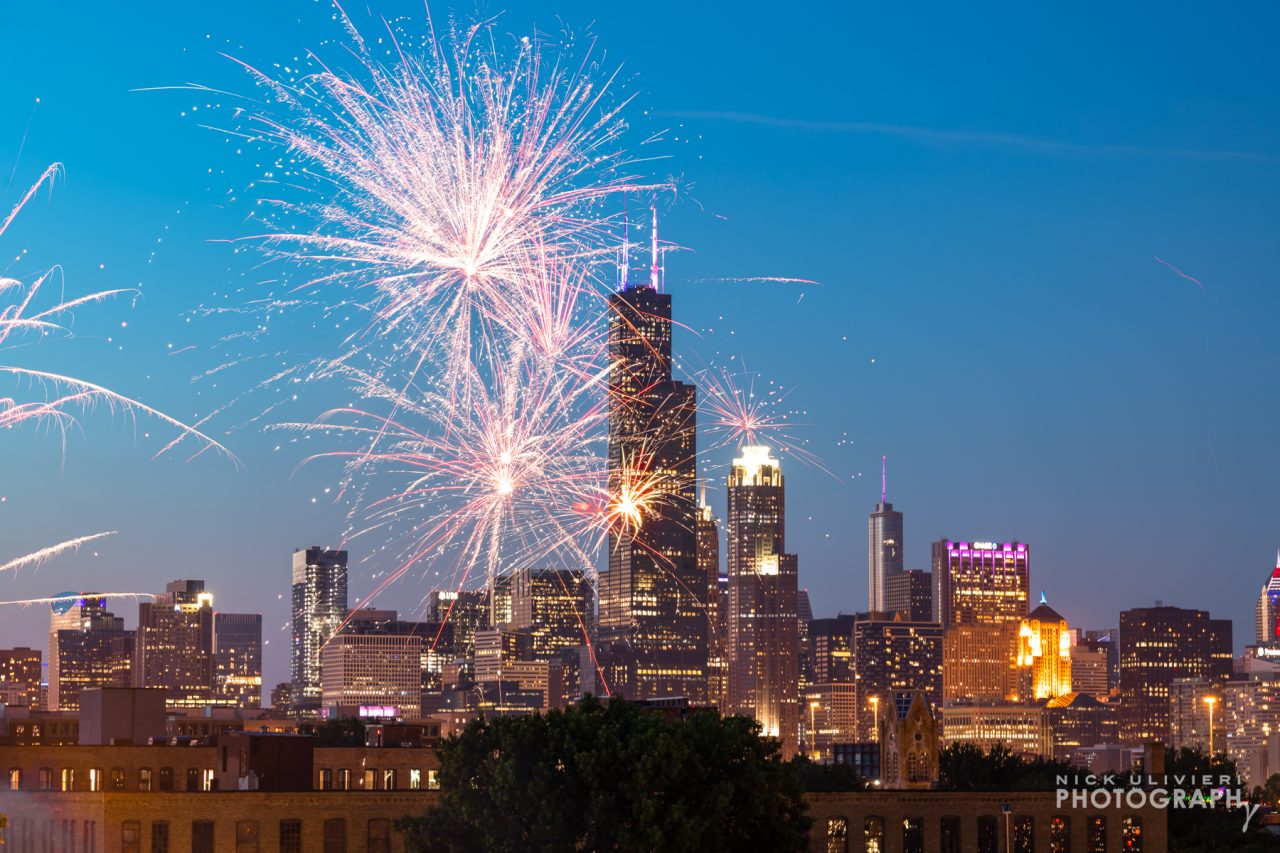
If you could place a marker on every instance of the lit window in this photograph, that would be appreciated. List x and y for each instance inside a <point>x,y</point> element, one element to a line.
<point>15,779</point>
<point>415,779</point>
<point>144,779</point>
<point>68,779</point>
<point>433,780</point>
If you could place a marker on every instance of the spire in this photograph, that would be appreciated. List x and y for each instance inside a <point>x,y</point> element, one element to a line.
<point>624,254</point>
<point>884,488</point>
<point>702,493</point>
<point>1043,598</point>
<point>655,279</point>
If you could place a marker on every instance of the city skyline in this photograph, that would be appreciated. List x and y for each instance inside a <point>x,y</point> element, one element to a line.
<point>109,482</point>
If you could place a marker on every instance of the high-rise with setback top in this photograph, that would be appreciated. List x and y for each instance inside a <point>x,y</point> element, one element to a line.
<point>319,598</point>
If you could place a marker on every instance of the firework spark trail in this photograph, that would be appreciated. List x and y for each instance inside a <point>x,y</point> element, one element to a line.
<point>1178,272</point>
<point>38,558</point>
<point>55,599</point>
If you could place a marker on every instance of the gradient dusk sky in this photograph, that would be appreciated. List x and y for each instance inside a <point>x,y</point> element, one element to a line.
<point>981,192</point>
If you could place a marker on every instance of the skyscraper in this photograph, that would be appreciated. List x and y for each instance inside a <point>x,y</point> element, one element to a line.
<point>553,609</point>
<point>20,677</point>
<point>763,636</point>
<point>709,568</point>
<point>910,593</point>
<point>88,647</point>
<point>1268,609</point>
<point>893,658</point>
<point>319,597</point>
<point>175,644</point>
<point>237,659</point>
<point>1157,645</point>
<point>884,548</point>
<point>653,620</point>
<point>1044,655</point>
<point>980,582</point>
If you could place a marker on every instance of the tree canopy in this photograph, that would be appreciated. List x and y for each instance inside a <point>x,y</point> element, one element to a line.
<point>612,776</point>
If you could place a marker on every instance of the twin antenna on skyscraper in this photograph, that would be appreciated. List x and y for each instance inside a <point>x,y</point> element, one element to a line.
<point>657,268</point>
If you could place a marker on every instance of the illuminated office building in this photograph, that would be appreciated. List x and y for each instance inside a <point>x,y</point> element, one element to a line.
<point>1267,612</point>
<point>553,608</point>
<point>319,600</point>
<point>717,633</point>
<point>652,615</point>
<point>979,662</point>
<point>894,657</point>
<point>1158,645</point>
<point>88,647</point>
<point>1078,721</point>
<point>237,659</point>
<point>830,644</point>
<point>884,548</point>
<point>462,612</point>
<point>910,593</point>
<point>1044,655</point>
<point>1022,727</point>
<point>1090,666</point>
<point>373,668</point>
<point>980,582</point>
<point>828,716</point>
<point>1189,714</point>
<point>763,624</point>
<point>175,644</point>
<point>20,677</point>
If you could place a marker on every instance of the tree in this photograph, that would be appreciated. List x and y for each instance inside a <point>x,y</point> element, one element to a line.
<point>611,777</point>
<point>965,767</point>
<point>342,731</point>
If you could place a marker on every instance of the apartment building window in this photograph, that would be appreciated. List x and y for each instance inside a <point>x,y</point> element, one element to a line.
<point>68,779</point>
<point>131,837</point>
<point>206,779</point>
<point>144,779</point>
<point>415,780</point>
<point>389,780</point>
<point>951,834</point>
<point>344,779</point>
<point>159,836</point>
<point>1060,834</point>
<point>335,835</point>
<point>370,779</point>
<point>838,834</point>
<point>95,779</point>
<point>46,779</point>
<point>1097,840</point>
<point>291,836</point>
<point>1131,834</point>
<point>988,834</point>
<point>117,778</point>
<point>246,836</point>
<point>379,835</point>
<point>326,779</point>
<point>202,836</point>
<point>873,834</point>
<point>1024,834</point>
<point>913,835</point>
<point>15,779</point>
<point>193,778</point>
<point>166,778</point>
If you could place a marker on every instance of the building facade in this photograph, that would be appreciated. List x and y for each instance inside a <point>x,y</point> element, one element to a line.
<point>763,624</point>
<point>910,593</point>
<point>884,549</point>
<point>88,647</point>
<point>892,657</point>
<point>319,604</point>
<point>653,619</point>
<point>20,677</point>
<point>175,644</point>
<point>237,659</point>
<point>980,582</point>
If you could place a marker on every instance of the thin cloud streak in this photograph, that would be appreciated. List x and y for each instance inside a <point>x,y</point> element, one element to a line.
<point>957,137</point>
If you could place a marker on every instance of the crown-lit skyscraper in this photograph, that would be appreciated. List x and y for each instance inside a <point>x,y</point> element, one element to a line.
<point>319,597</point>
<point>884,548</point>
<point>1268,610</point>
<point>763,643</point>
<point>653,621</point>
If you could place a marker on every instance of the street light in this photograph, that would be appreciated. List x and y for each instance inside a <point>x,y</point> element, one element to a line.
<point>1210,701</point>
<point>875,715</point>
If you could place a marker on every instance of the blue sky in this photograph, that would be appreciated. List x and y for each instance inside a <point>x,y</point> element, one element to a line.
<point>981,193</point>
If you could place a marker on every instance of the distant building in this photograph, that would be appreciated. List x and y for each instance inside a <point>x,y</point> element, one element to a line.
<point>319,604</point>
<point>88,647</point>
<point>1079,720</point>
<point>884,549</point>
<point>372,670</point>
<point>20,677</point>
<point>764,643</point>
<point>1044,655</point>
<point>1189,714</point>
<point>980,582</point>
<point>829,715</point>
<point>979,662</point>
<point>1022,727</point>
<point>653,617</point>
<point>175,644</point>
<point>717,631</point>
<point>554,608</point>
<point>910,593</point>
<point>1158,645</point>
<point>237,659</point>
<point>1267,627</point>
<point>1090,667</point>
<point>830,644</point>
<point>894,657</point>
